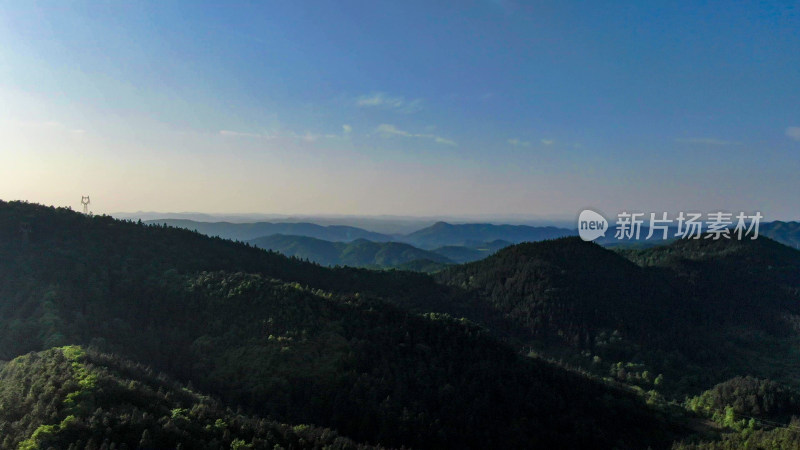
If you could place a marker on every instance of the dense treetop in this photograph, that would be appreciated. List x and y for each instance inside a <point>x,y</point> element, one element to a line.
<point>347,349</point>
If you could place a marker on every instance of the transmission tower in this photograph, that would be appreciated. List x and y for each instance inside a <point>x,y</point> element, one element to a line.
<point>85,202</point>
<point>25,231</point>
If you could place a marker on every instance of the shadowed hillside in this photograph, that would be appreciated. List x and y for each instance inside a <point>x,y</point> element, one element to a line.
<point>697,311</point>
<point>72,398</point>
<point>246,231</point>
<point>359,253</point>
<point>443,234</point>
<point>294,341</point>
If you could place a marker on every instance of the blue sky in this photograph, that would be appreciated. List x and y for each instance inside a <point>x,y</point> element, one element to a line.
<point>412,108</point>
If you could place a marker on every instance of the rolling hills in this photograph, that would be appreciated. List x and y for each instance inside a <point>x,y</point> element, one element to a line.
<point>391,358</point>
<point>436,246</point>
<point>696,311</point>
<point>443,234</point>
<point>357,253</point>
<point>69,397</point>
<point>347,349</point>
<point>247,231</point>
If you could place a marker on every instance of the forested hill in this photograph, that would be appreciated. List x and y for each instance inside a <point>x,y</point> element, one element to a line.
<point>459,242</point>
<point>358,253</point>
<point>565,289</point>
<point>443,234</point>
<point>246,231</point>
<point>696,311</point>
<point>70,398</point>
<point>284,339</point>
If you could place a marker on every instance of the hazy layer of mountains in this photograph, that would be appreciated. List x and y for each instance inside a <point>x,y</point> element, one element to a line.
<point>426,249</point>
<point>247,231</point>
<point>384,223</point>
<point>437,235</point>
<point>357,253</point>
<point>437,245</point>
<point>444,234</point>
<point>784,232</point>
<point>154,336</point>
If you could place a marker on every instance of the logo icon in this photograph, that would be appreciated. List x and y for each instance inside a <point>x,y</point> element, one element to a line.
<point>591,225</point>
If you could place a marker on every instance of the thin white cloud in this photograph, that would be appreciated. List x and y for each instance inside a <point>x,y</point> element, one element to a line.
<point>707,141</point>
<point>388,130</point>
<point>347,130</point>
<point>50,125</point>
<point>548,141</point>
<point>518,143</point>
<point>306,136</point>
<point>240,134</point>
<point>384,101</point>
<point>793,133</point>
<point>385,128</point>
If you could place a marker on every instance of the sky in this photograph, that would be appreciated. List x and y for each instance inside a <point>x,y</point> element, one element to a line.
<point>420,108</point>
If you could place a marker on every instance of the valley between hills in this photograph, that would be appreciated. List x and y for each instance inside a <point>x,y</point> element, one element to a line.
<point>119,334</point>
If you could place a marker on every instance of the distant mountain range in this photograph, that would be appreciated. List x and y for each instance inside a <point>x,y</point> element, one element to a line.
<point>439,244</point>
<point>787,233</point>
<point>358,253</point>
<point>247,231</point>
<point>430,248</point>
<point>437,235</point>
<point>472,234</point>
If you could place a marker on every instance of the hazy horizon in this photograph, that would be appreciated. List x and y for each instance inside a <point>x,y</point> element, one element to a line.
<point>562,220</point>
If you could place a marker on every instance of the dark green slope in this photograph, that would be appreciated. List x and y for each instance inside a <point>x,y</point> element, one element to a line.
<point>359,253</point>
<point>746,412</point>
<point>697,312</point>
<point>421,265</point>
<point>246,231</point>
<point>749,398</point>
<point>320,251</point>
<point>295,341</point>
<point>365,253</point>
<point>443,234</point>
<point>564,289</point>
<point>72,398</point>
<point>753,283</point>
<point>461,254</point>
<point>464,254</point>
<point>66,242</point>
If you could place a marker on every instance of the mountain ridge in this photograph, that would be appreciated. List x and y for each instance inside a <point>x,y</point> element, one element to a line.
<point>69,397</point>
<point>296,341</point>
<point>247,231</point>
<point>357,253</point>
<point>683,302</point>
